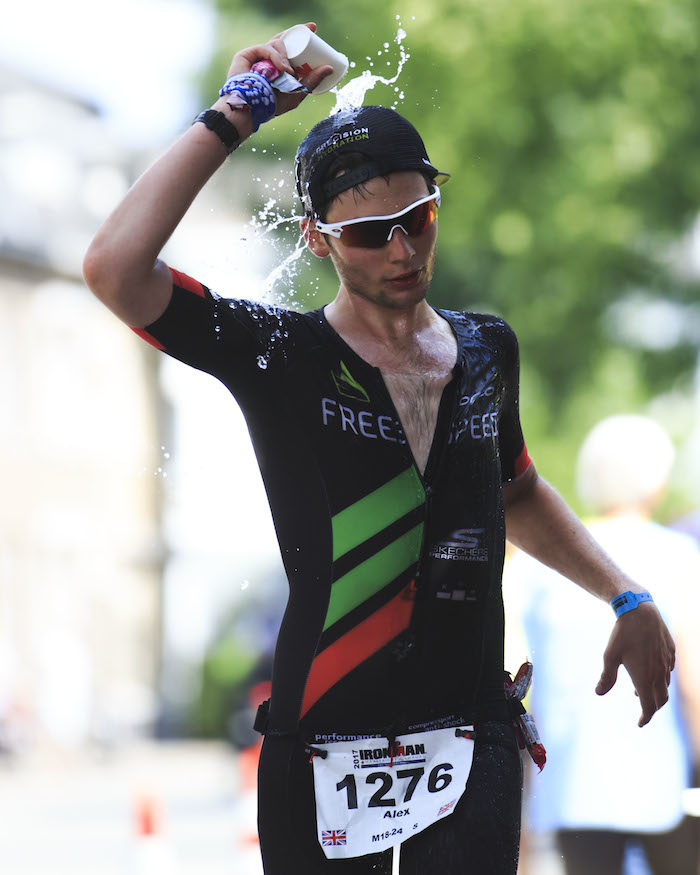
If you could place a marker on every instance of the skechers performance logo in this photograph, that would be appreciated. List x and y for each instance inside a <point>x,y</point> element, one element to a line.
<point>464,545</point>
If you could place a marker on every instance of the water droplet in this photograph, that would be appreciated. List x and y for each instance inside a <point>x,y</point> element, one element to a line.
<point>245,584</point>
<point>262,362</point>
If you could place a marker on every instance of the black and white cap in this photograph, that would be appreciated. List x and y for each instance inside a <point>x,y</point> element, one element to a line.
<point>388,141</point>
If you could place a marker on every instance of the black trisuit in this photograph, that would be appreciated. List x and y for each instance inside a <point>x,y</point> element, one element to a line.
<point>395,616</point>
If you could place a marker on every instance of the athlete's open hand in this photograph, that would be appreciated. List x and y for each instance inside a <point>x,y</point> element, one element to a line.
<point>275,51</point>
<point>641,642</point>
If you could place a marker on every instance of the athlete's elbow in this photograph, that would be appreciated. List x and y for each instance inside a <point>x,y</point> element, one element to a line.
<point>92,270</point>
<point>100,272</point>
<point>111,278</point>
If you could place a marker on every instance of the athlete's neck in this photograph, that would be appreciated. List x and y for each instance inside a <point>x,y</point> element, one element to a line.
<point>363,322</point>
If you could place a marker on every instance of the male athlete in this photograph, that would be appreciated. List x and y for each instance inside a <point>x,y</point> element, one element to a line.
<point>388,437</point>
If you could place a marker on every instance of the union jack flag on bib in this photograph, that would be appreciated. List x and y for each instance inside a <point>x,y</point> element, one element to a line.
<point>334,837</point>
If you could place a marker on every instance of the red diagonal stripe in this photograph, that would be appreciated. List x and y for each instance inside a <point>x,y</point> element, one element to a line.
<point>144,335</point>
<point>357,645</point>
<point>522,463</point>
<point>186,282</point>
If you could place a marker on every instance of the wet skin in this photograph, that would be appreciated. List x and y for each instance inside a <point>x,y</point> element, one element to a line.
<point>396,276</point>
<point>381,311</point>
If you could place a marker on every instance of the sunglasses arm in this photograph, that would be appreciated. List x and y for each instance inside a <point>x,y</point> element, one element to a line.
<point>328,229</point>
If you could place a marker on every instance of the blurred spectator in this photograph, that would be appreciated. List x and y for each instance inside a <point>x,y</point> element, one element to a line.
<point>689,524</point>
<point>609,786</point>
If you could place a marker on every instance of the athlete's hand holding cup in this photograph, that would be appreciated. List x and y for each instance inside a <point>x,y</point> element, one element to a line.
<point>311,74</point>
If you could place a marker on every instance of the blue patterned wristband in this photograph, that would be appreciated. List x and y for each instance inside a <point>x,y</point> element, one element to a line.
<point>257,92</point>
<point>628,601</point>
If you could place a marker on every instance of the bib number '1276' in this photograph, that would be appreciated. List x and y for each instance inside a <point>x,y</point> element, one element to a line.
<point>368,800</point>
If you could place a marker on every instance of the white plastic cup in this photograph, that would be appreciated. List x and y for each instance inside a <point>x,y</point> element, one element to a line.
<point>306,51</point>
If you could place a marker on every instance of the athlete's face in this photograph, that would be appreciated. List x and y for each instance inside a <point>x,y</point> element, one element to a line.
<point>396,275</point>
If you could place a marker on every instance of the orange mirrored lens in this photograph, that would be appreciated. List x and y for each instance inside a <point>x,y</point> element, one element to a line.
<point>374,233</point>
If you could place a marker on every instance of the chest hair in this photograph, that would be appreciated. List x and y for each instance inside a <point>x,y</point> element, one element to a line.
<point>415,373</point>
<point>415,379</point>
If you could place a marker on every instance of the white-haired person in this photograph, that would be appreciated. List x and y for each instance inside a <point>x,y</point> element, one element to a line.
<point>607,786</point>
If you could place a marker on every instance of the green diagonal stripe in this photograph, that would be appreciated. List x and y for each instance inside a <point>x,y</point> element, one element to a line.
<point>376,511</point>
<point>372,575</point>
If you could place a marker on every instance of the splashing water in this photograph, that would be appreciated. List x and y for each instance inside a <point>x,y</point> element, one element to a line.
<point>278,285</point>
<point>287,269</point>
<point>353,93</point>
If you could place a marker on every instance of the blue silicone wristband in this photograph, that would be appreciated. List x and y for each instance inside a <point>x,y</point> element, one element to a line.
<point>257,93</point>
<point>628,601</point>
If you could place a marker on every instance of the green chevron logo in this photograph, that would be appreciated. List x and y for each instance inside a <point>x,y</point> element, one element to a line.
<point>348,386</point>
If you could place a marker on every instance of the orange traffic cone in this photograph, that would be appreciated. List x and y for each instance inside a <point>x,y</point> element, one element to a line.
<point>153,854</point>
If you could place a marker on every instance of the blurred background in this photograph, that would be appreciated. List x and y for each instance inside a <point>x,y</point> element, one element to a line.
<point>140,587</point>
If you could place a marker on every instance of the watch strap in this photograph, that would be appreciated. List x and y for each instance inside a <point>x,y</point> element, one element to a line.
<point>218,123</point>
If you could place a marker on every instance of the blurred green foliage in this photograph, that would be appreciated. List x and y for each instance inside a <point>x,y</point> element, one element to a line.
<point>571,130</point>
<point>225,672</point>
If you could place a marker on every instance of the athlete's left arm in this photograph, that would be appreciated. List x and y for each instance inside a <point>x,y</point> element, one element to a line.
<point>540,522</point>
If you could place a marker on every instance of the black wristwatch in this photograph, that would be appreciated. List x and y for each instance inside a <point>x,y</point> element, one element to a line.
<point>218,123</point>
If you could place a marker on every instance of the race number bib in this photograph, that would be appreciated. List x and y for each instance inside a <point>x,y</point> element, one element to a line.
<point>368,801</point>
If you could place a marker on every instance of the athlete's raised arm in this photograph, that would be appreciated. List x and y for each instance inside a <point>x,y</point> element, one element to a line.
<point>122,265</point>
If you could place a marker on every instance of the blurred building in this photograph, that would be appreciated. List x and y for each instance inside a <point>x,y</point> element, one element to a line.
<point>81,552</point>
<point>123,547</point>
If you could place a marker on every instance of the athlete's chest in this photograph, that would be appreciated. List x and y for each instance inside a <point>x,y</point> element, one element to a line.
<point>416,398</point>
<point>358,416</point>
<point>414,375</point>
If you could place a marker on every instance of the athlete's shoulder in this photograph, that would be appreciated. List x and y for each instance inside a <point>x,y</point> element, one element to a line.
<point>260,310</point>
<point>475,321</point>
<point>483,326</point>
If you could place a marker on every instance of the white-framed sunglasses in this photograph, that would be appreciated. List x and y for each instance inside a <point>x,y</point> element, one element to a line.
<point>373,232</point>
